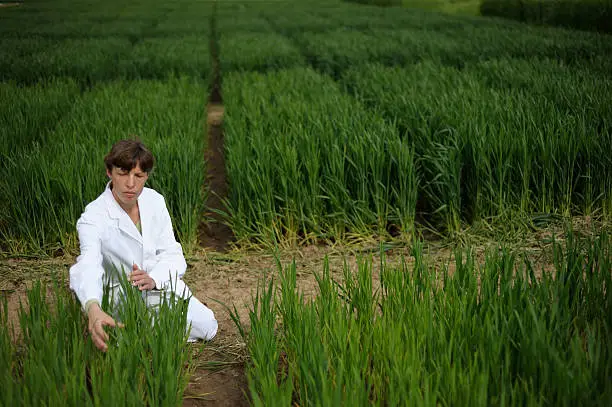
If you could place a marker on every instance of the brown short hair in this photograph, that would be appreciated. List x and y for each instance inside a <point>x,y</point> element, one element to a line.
<point>127,154</point>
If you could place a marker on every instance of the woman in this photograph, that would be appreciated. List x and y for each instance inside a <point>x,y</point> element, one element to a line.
<point>128,227</point>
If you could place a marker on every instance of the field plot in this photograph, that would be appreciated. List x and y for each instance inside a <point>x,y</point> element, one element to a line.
<point>294,171</point>
<point>75,78</point>
<point>32,113</point>
<point>373,17</point>
<point>293,20</point>
<point>132,42</point>
<point>481,334</point>
<point>88,60</point>
<point>160,58</point>
<point>453,45</point>
<point>457,91</point>
<point>185,18</point>
<point>247,41</point>
<point>48,185</point>
<point>257,52</point>
<point>229,21</point>
<point>524,141</point>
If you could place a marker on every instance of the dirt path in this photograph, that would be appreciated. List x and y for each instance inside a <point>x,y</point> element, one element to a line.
<point>213,233</point>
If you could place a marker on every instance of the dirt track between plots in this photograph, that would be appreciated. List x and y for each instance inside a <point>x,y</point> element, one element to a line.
<point>214,234</point>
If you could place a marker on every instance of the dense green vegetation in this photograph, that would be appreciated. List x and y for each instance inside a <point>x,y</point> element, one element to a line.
<point>498,138</point>
<point>80,77</point>
<point>56,363</point>
<point>292,170</point>
<point>503,120</point>
<point>594,15</point>
<point>500,120</point>
<point>48,183</point>
<point>343,122</point>
<point>475,333</point>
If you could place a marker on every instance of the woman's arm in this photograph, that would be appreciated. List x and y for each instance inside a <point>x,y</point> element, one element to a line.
<point>86,280</point>
<point>86,274</point>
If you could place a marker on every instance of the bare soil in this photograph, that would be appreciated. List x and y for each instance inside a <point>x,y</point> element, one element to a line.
<point>213,233</point>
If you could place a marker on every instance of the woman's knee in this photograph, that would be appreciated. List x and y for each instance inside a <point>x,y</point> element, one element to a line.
<point>202,320</point>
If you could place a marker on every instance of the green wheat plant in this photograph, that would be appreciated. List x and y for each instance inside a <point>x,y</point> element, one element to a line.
<point>498,138</point>
<point>250,51</point>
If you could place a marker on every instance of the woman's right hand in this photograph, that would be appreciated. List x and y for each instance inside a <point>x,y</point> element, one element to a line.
<point>98,319</point>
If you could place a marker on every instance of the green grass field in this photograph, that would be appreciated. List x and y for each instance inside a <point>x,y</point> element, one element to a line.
<point>345,124</point>
<point>462,7</point>
<point>80,79</point>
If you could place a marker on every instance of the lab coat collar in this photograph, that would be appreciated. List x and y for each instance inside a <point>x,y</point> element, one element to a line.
<point>123,220</point>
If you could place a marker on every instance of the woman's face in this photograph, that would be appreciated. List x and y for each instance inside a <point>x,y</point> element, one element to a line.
<point>127,185</point>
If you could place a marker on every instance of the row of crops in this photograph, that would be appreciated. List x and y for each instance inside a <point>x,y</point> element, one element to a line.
<point>379,116</point>
<point>132,41</point>
<point>343,120</point>
<point>55,168</point>
<point>495,332</point>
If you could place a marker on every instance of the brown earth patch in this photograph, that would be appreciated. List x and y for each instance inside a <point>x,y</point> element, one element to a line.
<point>5,5</point>
<point>214,234</point>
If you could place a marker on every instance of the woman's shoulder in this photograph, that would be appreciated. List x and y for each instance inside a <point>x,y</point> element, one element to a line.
<point>94,211</point>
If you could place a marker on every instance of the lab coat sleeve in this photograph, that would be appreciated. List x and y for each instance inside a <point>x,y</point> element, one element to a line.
<point>87,273</point>
<point>169,260</point>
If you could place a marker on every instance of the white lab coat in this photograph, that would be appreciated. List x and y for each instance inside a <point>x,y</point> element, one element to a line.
<point>109,240</point>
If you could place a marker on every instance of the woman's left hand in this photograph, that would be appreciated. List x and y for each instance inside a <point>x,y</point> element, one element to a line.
<point>141,279</point>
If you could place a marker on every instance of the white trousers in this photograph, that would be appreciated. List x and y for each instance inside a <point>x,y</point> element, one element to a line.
<point>200,318</point>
